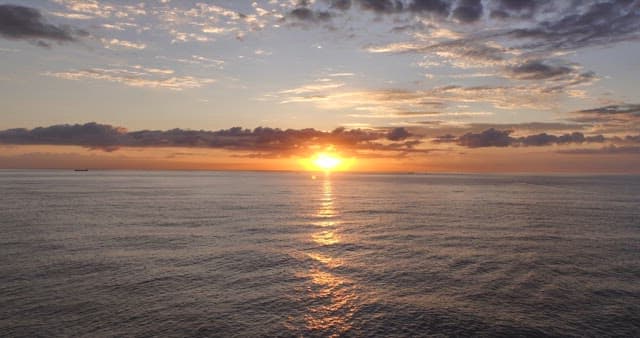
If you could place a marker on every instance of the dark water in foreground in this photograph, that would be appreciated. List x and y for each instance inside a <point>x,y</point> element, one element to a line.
<point>256,254</point>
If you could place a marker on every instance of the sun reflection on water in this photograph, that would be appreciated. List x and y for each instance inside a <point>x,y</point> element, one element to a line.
<point>326,211</point>
<point>326,260</point>
<point>332,297</point>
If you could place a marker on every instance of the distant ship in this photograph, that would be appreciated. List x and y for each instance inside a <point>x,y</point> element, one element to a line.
<point>80,169</point>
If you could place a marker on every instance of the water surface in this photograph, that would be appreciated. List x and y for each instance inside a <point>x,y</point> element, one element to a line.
<point>126,253</point>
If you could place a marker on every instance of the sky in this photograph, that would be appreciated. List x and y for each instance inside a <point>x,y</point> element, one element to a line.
<point>387,85</point>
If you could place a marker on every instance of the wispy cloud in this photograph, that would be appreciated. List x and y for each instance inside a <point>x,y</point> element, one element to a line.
<point>199,60</point>
<point>312,88</point>
<point>117,43</point>
<point>395,101</point>
<point>608,150</point>
<point>102,9</point>
<point>136,76</point>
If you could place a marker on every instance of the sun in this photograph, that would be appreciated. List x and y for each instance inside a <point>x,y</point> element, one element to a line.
<point>326,162</point>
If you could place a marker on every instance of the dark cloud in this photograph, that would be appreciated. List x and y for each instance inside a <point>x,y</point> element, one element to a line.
<point>601,23</point>
<point>633,138</point>
<point>306,14</point>
<point>274,142</point>
<point>502,138</point>
<point>340,4</point>
<point>614,113</point>
<point>503,9</point>
<point>612,119</point>
<point>519,5</point>
<point>544,139</point>
<point>468,11</point>
<point>398,134</point>
<point>26,23</point>
<point>91,135</point>
<point>546,26</point>
<point>539,70</point>
<point>488,138</point>
<point>381,6</point>
<point>448,138</point>
<point>440,7</point>
<point>416,26</point>
<point>261,140</point>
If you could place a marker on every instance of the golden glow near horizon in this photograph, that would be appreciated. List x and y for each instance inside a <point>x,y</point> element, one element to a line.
<point>326,161</point>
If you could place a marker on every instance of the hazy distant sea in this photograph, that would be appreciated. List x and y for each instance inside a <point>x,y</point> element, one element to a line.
<point>133,253</point>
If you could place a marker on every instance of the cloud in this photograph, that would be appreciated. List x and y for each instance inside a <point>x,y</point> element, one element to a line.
<point>136,76</point>
<point>565,25</point>
<point>306,14</point>
<point>501,61</point>
<point>522,9</point>
<point>488,138</point>
<point>502,138</point>
<point>529,126</point>
<point>91,135</point>
<point>558,76</point>
<point>97,8</point>
<point>261,140</point>
<point>117,43</point>
<point>614,113</point>
<point>398,134</point>
<point>73,16</point>
<point>458,52</point>
<point>598,23</point>
<point>544,139</point>
<point>439,7</point>
<point>26,23</point>
<point>196,60</point>
<point>519,5</point>
<point>313,88</point>
<point>619,118</point>
<point>539,70</point>
<point>608,150</point>
<point>400,101</point>
<point>340,4</point>
<point>381,6</point>
<point>468,11</point>
<point>543,30</point>
<point>274,142</point>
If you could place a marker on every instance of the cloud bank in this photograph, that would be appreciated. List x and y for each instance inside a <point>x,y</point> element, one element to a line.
<point>260,141</point>
<point>274,142</point>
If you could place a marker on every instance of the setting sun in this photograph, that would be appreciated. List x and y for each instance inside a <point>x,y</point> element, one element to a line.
<point>326,161</point>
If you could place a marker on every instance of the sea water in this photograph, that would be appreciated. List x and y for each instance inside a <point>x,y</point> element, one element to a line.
<point>134,253</point>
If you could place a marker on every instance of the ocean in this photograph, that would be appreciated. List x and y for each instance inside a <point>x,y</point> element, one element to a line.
<point>247,254</point>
